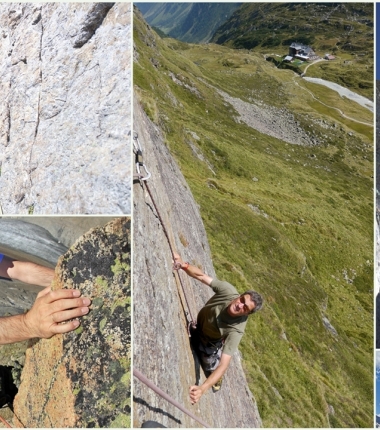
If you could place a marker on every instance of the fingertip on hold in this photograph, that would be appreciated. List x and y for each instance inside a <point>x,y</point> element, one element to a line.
<point>76,323</point>
<point>76,293</point>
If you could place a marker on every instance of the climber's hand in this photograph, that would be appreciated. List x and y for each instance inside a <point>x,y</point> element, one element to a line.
<point>177,258</point>
<point>51,309</point>
<point>195,393</point>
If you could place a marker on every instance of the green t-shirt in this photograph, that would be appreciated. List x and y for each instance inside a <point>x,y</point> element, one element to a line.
<point>214,320</point>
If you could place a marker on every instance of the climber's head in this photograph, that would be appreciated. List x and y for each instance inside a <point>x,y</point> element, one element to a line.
<point>246,304</point>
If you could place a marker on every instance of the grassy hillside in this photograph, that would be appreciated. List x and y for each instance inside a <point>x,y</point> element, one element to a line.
<point>189,22</point>
<point>293,222</point>
<point>342,29</point>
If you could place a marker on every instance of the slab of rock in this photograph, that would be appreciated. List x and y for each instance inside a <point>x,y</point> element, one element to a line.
<point>25,241</point>
<point>82,378</point>
<point>41,240</point>
<point>65,94</point>
<point>162,349</point>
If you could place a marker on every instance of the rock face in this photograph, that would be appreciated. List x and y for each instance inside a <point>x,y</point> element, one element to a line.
<point>82,378</point>
<point>377,292</point>
<point>20,239</point>
<point>41,240</point>
<point>162,349</point>
<point>65,108</point>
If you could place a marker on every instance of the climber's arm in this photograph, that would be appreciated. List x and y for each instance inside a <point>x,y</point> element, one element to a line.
<point>197,392</point>
<point>27,272</point>
<point>193,271</point>
<point>50,310</point>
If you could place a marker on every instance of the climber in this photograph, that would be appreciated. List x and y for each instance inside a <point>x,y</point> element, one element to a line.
<point>50,309</point>
<point>220,326</point>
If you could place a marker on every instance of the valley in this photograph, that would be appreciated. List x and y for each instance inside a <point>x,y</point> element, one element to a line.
<point>282,171</point>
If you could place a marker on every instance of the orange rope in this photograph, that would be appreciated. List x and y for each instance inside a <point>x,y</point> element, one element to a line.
<point>5,422</point>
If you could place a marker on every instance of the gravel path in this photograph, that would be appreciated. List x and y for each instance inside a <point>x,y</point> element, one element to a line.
<point>343,92</point>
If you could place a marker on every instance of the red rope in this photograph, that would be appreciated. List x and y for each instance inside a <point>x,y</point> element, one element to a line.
<point>191,321</point>
<point>5,422</point>
<point>161,393</point>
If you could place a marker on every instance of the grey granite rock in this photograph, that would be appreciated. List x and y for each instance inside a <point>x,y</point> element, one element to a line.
<point>65,108</point>
<point>162,349</point>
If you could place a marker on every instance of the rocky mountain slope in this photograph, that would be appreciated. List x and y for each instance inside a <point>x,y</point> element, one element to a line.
<point>189,22</point>
<point>160,329</point>
<point>283,182</point>
<point>65,108</point>
<point>350,25</point>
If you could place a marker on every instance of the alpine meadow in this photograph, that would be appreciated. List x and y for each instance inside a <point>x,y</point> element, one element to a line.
<point>282,170</point>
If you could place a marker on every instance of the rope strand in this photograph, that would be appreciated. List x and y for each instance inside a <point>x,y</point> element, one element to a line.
<point>143,181</point>
<point>157,390</point>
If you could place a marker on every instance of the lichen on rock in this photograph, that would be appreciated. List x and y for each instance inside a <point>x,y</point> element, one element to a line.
<point>82,378</point>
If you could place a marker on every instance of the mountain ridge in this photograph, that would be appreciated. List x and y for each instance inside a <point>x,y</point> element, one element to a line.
<point>188,22</point>
<point>281,218</point>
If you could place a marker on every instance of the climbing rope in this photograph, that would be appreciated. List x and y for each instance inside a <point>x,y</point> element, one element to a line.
<point>5,422</point>
<point>176,266</point>
<point>161,393</point>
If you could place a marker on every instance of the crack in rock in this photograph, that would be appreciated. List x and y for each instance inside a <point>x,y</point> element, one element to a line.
<point>91,23</point>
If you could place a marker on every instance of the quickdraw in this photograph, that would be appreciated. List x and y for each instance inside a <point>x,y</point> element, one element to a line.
<point>139,159</point>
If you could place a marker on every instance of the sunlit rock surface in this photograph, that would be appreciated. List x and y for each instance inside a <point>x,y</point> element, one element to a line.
<point>161,344</point>
<point>82,379</point>
<point>65,95</point>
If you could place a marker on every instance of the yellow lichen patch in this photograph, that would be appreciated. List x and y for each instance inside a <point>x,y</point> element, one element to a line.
<point>119,267</point>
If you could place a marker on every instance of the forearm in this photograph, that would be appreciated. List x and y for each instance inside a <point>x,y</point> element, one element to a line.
<point>214,377</point>
<point>13,329</point>
<point>30,273</point>
<point>197,392</point>
<point>193,271</point>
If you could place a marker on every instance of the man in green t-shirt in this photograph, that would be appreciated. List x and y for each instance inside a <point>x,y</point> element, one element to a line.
<point>220,325</point>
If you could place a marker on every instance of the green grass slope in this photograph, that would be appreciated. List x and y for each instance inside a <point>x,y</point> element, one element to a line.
<point>292,222</point>
<point>342,29</point>
<point>189,22</point>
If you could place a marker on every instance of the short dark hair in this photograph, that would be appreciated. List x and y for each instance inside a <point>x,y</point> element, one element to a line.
<point>257,299</point>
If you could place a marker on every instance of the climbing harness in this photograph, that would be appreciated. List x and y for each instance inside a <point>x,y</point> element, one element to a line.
<point>176,266</point>
<point>157,390</point>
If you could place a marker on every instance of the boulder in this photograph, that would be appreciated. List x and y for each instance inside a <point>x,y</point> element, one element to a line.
<point>41,240</point>
<point>82,378</point>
